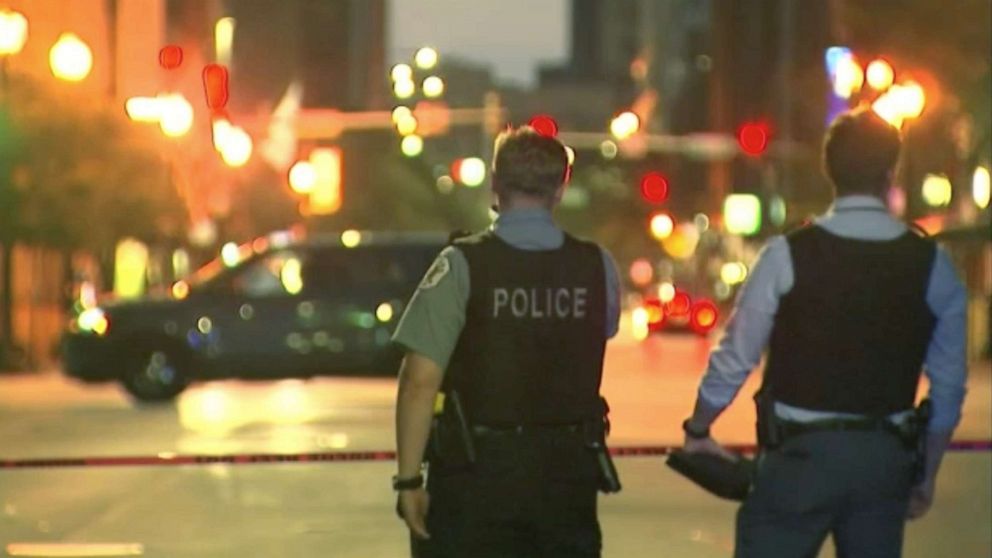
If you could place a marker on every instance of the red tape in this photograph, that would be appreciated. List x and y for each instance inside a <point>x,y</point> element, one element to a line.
<point>169,459</point>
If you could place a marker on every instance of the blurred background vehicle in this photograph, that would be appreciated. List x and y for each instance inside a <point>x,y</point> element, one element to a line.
<point>273,308</point>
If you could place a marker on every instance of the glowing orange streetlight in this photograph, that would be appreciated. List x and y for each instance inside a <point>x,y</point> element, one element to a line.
<point>70,58</point>
<point>13,32</point>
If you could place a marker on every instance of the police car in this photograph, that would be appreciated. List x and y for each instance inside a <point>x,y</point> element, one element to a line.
<point>273,308</point>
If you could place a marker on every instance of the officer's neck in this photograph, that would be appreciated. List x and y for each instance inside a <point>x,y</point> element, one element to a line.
<point>525,203</point>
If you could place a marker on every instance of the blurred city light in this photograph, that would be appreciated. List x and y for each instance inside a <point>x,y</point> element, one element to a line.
<point>640,323</point>
<point>215,85</point>
<point>980,188</point>
<point>70,58</point>
<point>896,200</point>
<point>291,276</point>
<point>848,76</point>
<point>326,196</point>
<point>384,312</point>
<point>170,57</point>
<point>401,72</point>
<point>302,177</point>
<point>404,88</point>
<point>351,238</point>
<point>407,125</point>
<point>176,115</point>
<point>880,75</point>
<point>224,39</point>
<point>412,145</point>
<point>742,214</point>
<point>887,108</point>
<point>433,86</point>
<point>472,171</point>
<point>608,149</point>
<point>753,138</point>
<point>13,32</point>
<point>662,225</point>
<point>544,125</point>
<point>625,125</point>
<point>130,268</point>
<point>654,188</point>
<point>426,58</point>
<point>910,99</point>
<point>143,109</point>
<point>641,272</point>
<point>237,147</point>
<point>666,292</point>
<point>733,273</point>
<point>777,210</point>
<point>704,316</point>
<point>94,320</point>
<point>682,242</point>
<point>445,184</point>
<point>230,255</point>
<point>220,131</point>
<point>180,290</point>
<point>937,190</point>
<point>400,113</point>
<point>702,222</point>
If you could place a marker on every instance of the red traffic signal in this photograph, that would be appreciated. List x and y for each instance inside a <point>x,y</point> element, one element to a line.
<point>654,187</point>
<point>544,125</point>
<point>753,138</point>
<point>170,57</point>
<point>215,85</point>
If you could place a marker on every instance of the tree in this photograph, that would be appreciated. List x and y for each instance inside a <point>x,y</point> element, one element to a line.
<point>75,174</point>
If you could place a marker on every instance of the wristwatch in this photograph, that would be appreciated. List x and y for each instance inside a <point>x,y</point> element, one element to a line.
<point>694,433</point>
<point>410,483</point>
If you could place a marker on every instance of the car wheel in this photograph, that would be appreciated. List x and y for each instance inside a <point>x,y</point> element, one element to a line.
<point>156,374</point>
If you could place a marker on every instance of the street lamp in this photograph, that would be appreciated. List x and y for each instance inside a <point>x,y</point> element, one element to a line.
<point>13,32</point>
<point>70,58</point>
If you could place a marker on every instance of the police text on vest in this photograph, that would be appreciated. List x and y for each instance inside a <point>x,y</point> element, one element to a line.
<point>540,303</point>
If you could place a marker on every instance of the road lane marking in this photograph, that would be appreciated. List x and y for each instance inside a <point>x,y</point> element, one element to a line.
<point>73,550</point>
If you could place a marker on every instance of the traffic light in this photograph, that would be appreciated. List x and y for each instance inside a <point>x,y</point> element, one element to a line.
<point>544,125</point>
<point>753,138</point>
<point>654,188</point>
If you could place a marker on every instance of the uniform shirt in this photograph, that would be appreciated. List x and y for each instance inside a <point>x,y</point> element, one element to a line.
<point>750,326</point>
<point>433,321</point>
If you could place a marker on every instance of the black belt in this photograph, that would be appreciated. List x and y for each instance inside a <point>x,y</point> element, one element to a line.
<point>789,429</point>
<point>481,430</point>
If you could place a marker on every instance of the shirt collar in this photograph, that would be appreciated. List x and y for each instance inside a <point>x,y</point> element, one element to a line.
<point>537,215</point>
<point>859,201</point>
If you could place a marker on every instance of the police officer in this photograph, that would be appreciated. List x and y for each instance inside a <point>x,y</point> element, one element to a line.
<point>515,321</point>
<point>851,308</point>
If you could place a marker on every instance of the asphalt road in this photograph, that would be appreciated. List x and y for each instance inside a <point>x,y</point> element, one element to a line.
<point>345,509</point>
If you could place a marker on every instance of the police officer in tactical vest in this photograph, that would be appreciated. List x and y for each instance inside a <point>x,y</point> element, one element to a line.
<point>851,308</point>
<point>510,325</point>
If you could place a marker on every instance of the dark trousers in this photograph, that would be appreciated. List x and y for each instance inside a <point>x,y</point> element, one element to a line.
<point>853,485</point>
<point>529,495</point>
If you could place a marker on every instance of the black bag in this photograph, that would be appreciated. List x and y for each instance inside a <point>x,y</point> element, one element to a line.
<point>721,477</point>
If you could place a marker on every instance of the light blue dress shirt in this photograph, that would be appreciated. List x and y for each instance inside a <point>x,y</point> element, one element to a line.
<point>749,327</point>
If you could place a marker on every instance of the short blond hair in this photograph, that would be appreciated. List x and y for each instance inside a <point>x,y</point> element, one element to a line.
<point>529,163</point>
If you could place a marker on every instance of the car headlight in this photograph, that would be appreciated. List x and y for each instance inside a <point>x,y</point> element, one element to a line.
<point>93,320</point>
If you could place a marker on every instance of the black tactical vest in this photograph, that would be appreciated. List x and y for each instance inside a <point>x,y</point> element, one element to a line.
<point>531,352</point>
<point>852,334</point>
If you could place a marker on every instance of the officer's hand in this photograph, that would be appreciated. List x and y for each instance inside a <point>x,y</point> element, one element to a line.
<point>413,506</point>
<point>707,445</point>
<point>920,499</point>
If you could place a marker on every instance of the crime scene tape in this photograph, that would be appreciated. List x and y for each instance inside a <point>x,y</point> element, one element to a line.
<point>172,459</point>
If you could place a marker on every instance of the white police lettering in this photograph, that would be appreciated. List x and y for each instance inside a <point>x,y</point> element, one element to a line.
<point>540,303</point>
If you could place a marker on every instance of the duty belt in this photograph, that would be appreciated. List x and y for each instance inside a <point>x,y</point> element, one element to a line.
<point>481,430</point>
<point>788,429</point>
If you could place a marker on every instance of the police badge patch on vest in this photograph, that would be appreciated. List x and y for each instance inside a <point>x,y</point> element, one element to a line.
<point>438,270</point>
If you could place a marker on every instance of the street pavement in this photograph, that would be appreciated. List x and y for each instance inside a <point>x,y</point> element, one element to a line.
<point>345,509</point>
